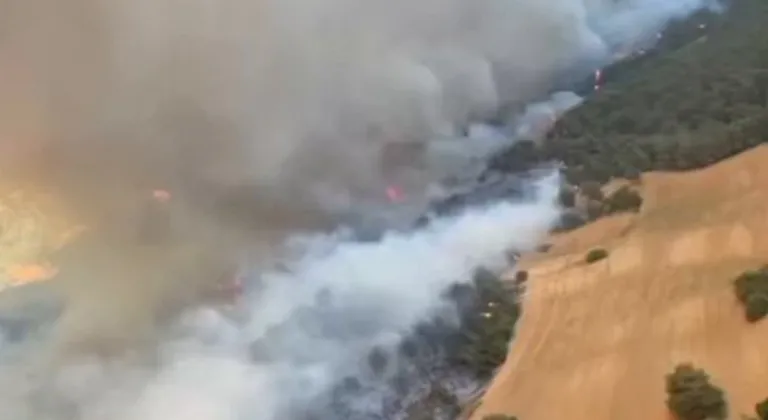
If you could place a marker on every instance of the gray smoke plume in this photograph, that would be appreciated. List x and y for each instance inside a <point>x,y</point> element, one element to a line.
<point>110,98</point>
<point>263,118</point>
<point>310,326</point>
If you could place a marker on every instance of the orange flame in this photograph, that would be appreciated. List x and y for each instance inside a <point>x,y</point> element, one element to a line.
<point>29,273</point>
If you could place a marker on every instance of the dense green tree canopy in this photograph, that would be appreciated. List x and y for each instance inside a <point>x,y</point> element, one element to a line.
<point>698,97</point>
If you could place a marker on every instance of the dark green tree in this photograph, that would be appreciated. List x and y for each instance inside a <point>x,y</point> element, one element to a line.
<point>751,288</point>
<point>622,200</point>
<point>691,396</point>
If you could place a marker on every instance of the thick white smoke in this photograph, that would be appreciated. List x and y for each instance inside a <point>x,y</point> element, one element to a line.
<point>275,108</point>
<point>290,350</point>
<point>539,117</point>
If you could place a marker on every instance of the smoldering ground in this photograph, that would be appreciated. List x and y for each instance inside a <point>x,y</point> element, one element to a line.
<point>262,118</point>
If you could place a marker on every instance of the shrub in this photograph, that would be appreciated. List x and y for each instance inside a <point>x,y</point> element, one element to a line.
<point>691,396</point>
<point>756,308</point>
<point>751,290</point>
<point>595,255</point>
<point>623,199</point>
<point>761,409</point>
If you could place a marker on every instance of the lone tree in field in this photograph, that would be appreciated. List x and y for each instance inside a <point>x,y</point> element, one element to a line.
<point>691,396</point>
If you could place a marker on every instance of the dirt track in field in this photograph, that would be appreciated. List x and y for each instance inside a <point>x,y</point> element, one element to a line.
<point>595,341</point>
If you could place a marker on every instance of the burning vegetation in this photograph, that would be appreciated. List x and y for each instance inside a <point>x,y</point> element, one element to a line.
<point>32,227</point>
<point>154,112</point>
<point>697,97</point>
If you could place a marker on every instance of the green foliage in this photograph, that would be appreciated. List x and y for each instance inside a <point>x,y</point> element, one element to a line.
<point>595,255</point>
<point>624,199</point>
<point>697,98</point>
<point>761,409</point>
<point>756,307</point>
<point>751,290</point>
<point>488,327</point>
<point>439,348</point>
<point>691,396</point>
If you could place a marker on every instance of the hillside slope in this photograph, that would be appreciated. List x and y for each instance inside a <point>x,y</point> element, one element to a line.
<point>595,341</point>
<point>685,106</point>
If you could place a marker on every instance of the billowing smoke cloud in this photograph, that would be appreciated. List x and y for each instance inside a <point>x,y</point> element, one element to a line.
<point>634,23</point>
<point>539,117</point>
<point>285,97</point>
<point>313,325</point>
<point>264,118</point>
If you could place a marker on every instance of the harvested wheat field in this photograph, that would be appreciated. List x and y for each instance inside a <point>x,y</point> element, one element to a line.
<point>595,341</point>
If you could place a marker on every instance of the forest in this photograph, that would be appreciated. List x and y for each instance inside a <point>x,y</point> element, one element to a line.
<point>698,97</point>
